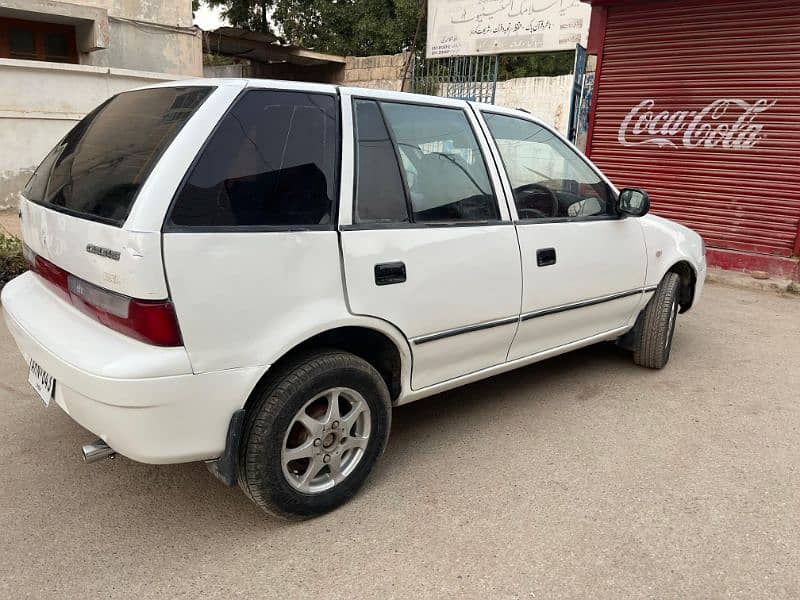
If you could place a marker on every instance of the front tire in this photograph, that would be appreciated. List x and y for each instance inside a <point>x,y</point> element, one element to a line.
<point>653,342</point>
<point>313,434</point>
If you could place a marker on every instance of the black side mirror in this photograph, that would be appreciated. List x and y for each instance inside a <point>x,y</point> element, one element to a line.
<point>634,202</point>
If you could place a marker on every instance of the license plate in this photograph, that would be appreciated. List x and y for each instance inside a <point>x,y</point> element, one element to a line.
<point>42,382</point>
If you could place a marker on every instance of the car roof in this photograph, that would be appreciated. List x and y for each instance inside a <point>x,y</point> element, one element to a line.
<point>331,88</point>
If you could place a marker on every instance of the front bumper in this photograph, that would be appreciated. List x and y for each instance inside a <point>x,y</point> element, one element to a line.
<point>142,400</point>
<point>700,283</point>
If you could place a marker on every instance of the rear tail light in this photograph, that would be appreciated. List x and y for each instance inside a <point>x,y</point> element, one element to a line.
<point>150,321</point>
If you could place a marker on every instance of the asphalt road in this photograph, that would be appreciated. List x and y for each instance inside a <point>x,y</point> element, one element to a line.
<point>583,476</point>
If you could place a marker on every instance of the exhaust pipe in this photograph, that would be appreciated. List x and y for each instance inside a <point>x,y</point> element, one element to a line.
<point>97,450</point>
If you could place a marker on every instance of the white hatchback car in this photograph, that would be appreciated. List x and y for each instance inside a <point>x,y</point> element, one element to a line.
<point>252,273</point>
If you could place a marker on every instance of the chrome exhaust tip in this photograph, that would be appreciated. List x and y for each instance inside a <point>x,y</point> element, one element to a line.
<point>96,451</point>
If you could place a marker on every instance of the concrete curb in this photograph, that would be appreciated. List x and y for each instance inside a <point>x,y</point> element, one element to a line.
<point>745,281</point>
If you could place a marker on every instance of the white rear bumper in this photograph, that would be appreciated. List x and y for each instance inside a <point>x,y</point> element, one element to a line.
<point>142,400</point>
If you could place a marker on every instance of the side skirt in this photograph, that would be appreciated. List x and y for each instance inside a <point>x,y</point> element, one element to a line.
<point>414,395</point>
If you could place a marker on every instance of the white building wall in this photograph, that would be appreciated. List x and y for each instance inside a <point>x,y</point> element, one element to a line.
<point>121,44</point>
<point>40,102</point>
<point>146,35</point>
<point>215,71</point>
<point>547,98</point>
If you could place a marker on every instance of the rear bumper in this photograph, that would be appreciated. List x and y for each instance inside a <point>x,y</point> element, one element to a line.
<point>142,400</point>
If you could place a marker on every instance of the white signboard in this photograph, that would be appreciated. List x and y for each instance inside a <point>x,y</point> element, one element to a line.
<point>469,27</point>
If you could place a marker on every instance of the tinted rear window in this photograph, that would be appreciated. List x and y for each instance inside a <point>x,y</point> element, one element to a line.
<point>271,163</point>
<point>96,170</point>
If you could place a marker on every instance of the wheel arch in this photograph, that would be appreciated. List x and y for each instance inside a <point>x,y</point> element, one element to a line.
<point>688,277</point>
<point>373,340</point>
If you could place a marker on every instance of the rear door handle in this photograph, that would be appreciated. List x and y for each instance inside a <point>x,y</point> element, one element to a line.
<point>390,273</point>
<point>545,257</point>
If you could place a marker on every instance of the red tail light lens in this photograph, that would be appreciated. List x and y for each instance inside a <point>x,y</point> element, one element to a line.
<point>52,274</point>
<point>150,321</point>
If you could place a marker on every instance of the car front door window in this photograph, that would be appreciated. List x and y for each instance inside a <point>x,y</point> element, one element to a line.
<point>548,179</point>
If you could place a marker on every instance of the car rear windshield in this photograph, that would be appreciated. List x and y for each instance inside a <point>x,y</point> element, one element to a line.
<point>96,170</point>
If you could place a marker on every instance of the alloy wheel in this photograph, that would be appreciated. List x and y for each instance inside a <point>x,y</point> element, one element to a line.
<point>326,440</point>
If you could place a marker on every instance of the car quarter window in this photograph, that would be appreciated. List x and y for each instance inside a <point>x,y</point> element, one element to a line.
<point>548,178</point>
<point>444,176</point>
<point>271,162</point>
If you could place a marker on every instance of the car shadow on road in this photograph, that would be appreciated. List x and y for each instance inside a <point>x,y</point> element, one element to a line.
<point>497,398</point>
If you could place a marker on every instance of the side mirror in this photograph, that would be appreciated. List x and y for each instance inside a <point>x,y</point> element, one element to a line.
<point>634,202</point>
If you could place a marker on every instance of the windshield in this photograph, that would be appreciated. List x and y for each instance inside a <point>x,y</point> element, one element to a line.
<point>96,170</point>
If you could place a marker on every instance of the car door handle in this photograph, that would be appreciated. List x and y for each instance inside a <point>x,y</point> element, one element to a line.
<point>545,257</point>
<point>389,273</point>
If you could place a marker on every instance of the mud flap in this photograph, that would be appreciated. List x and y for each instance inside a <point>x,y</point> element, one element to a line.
<point>226,467</point>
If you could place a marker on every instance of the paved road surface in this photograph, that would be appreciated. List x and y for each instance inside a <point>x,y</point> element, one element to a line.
<point>583,476</point>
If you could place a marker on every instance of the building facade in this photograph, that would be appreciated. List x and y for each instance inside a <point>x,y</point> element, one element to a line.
<point>58,60</point>
<point>697,102</point>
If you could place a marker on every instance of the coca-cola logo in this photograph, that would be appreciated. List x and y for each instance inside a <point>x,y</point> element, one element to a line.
<point>725,123</point>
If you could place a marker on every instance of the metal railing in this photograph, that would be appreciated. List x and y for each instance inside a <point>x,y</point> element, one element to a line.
<point>463,77</point>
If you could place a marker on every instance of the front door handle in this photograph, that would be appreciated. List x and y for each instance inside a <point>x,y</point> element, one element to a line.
<point>545,257</point>
<point>389,273</point>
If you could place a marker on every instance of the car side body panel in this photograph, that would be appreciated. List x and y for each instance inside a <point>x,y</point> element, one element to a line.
<point>456,277</point>
<point>669,243</point>
<point>242,296</point>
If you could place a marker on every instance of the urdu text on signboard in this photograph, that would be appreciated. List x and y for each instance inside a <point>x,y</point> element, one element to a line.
<point>470,27</point>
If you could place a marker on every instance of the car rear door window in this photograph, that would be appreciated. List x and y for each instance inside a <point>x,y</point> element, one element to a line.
<point>270,163</point>
<point>445,173</point>
<point>421,164</point>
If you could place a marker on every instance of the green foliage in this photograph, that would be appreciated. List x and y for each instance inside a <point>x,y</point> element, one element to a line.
<point>348,27</point>
<point>11,261</point>
<point>247,14</point>
<point>545,64</point>
<point>355,27</point>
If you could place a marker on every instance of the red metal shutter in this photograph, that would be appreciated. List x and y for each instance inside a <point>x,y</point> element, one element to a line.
<point>699,103</point>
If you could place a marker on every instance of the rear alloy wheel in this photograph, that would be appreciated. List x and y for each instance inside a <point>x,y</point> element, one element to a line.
<point>326,440</point>
<point>313,434</point>
<point>653,342</point>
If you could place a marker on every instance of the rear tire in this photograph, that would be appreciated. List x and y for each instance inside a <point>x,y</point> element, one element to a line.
<point>313,434</point>
<point>653,342</point>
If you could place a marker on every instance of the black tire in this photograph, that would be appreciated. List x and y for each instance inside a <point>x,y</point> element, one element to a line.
<point>653,342</point>
<point>261,474</point>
